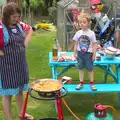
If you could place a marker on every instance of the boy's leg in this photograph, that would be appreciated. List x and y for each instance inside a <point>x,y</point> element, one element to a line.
<point>90,67</point>
<point>91,77</point>
<point>81,77</point>
<point>81,67</point>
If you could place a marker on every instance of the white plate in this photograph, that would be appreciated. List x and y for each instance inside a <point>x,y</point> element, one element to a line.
<point>112,49</point>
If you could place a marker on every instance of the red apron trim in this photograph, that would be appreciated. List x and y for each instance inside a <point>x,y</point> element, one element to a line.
<point>1,37</point>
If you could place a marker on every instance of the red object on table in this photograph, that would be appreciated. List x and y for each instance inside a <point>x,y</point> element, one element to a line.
<point>98,58</point>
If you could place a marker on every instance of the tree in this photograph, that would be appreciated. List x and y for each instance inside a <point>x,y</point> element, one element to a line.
<point>2,2</point>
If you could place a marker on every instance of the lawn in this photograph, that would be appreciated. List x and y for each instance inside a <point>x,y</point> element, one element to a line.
<point>81,104</point>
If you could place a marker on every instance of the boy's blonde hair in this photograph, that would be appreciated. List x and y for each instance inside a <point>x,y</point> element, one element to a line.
<point>84,15</point>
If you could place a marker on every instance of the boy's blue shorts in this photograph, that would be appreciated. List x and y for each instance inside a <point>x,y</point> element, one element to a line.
<point>85,60</point>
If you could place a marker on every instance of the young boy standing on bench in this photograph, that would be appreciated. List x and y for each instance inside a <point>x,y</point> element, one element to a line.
<point>85,49</point>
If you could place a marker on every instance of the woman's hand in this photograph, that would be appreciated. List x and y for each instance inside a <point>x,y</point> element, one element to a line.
<point>27,38</point>
<point>28,29</point>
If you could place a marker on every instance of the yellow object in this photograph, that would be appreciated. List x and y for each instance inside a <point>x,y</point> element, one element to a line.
<point>46,26</point>
<point>47,85</point>
<point>100,7</point>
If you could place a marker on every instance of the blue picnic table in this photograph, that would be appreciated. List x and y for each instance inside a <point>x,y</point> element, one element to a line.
<point>103,64</point>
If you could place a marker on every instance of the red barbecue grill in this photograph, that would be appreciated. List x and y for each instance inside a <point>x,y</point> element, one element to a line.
<point>45,94</point>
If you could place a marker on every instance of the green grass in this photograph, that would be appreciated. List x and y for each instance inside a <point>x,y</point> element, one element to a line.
<point>81,104</point>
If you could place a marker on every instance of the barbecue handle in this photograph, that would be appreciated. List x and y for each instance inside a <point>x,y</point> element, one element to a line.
<point>63,93</point>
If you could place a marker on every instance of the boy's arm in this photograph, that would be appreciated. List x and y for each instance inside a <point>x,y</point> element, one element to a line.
<point>75,39</point>
<point>75,48</point>
<point>94,46</point>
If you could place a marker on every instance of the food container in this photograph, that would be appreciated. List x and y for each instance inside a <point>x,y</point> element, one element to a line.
<point>112,49</point>
<point>109,55</point>
<point>47,89</point>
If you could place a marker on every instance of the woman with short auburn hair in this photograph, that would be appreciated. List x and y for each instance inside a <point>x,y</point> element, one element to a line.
<point>13,64</point>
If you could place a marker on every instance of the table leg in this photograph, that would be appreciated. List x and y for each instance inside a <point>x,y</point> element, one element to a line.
<point>54,73</point>
<point>54,76</point>
<point>118,82</point>
<point>108,71</point>
<point>64,70</point>
<point>58,104</point>
<point>106,75</point>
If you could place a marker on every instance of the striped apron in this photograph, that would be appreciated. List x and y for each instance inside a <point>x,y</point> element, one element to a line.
<point>13,65</point>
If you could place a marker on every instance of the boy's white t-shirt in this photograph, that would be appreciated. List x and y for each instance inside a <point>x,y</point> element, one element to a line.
<point>88,35</point>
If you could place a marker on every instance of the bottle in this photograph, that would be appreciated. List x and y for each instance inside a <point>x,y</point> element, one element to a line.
<point>55,50</point>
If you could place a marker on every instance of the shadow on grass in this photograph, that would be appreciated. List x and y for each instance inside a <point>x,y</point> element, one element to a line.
<point>80,104</point>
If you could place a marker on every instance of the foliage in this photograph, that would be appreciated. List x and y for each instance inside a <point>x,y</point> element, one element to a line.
<point>53,15</point>
<point>34,4</point>
<point>42,7</point>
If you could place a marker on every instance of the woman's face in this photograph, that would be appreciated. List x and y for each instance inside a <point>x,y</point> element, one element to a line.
<point>14,18</point>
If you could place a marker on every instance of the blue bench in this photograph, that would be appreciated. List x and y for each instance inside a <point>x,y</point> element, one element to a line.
<point>87,89</point>
<point>103,64</point>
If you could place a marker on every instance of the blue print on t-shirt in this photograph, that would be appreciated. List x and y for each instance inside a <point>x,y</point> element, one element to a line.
<point>84,42</point>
